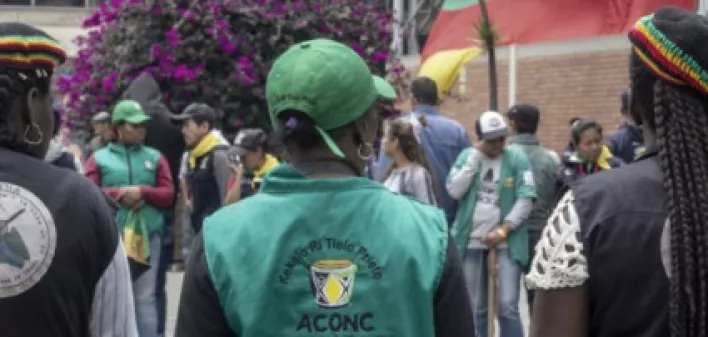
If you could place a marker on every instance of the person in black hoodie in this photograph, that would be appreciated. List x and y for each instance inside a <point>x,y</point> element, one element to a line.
<point>166,137</point>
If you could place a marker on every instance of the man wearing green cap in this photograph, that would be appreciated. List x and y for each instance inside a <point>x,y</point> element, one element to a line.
<point>321,250</point>
<point>138,178</point>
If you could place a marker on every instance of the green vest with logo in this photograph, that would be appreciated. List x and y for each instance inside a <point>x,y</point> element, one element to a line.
<point>515,181</point>
<point>121,166</point>
<point>327,257</point>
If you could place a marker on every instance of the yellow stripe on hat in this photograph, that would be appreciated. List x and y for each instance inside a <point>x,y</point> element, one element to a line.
<point>649,63</point>
<point>670,57</point>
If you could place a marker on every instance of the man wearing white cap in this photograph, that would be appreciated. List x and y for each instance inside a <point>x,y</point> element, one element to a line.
<point>496,190</point>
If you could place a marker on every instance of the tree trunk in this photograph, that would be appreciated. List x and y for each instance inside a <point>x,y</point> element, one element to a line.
<point>489,43</point>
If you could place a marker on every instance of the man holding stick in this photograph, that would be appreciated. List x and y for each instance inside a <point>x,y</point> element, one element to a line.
<point>496,190</point>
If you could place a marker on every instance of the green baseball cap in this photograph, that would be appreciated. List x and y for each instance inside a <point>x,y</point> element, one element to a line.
<point>324,79</point>
<point>130,112</point>
<point>385,89</point>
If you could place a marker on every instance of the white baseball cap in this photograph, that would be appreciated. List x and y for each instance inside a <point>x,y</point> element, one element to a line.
<point>491,125</point>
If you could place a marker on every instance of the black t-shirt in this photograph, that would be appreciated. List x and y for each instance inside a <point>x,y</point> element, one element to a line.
<point>622,215</point>
<point>57,238</point>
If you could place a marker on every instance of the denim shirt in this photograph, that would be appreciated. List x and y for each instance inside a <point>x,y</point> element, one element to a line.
<point>443,139</point>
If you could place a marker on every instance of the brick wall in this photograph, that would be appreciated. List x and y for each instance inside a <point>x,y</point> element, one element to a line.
<point>586,84</point>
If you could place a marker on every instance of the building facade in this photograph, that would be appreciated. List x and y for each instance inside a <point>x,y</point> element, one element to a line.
<point>62,23</point>
<point>581,78</point>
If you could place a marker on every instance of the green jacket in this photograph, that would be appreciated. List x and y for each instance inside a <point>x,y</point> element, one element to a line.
<point>515,181</point>
<point>124,166</point>
<point>544,164</point>
<point>329,257</point>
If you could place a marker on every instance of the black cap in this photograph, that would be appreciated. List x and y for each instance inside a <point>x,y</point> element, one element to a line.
<point>197,110</point>
<point>524,111</point>
<point>248,140</point>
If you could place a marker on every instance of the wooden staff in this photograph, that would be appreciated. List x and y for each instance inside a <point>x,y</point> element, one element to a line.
<point>492,269</point>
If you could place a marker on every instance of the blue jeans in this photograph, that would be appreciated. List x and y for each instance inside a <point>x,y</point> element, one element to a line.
<point>509,276</point>
<point>144,293</point>
<point>187,234</point>
<point>161,279</point>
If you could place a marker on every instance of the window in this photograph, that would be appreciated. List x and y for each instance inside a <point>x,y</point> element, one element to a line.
<point>60,3</point>
<point>15,2</point>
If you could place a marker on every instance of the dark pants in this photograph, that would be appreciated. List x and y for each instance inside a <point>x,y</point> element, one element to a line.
<point>161,280</point>
<point>534,237</point>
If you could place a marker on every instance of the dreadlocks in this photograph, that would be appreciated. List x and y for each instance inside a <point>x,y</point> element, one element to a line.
<point>677,113</point>
<point>682,130</point>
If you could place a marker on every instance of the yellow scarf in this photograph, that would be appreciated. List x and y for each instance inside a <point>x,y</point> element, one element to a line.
<point>205,145</point>
<point>269,164</point>
<point>604,160</point>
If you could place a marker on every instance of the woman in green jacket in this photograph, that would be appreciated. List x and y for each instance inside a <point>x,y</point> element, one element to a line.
<point>321,250</point>
<point>138,178</point>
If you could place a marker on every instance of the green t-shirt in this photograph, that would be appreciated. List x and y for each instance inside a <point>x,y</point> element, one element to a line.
<point>307,257</point>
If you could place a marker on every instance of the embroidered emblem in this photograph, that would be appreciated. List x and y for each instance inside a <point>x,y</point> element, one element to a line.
<point>28,240</point>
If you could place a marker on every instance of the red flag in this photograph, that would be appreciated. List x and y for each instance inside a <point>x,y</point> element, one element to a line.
<point>532,21</point>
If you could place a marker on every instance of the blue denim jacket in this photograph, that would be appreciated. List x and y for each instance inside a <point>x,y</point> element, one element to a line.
<point>442,139</point>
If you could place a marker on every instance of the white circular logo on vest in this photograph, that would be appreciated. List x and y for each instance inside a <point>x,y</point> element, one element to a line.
<point>28,240</point>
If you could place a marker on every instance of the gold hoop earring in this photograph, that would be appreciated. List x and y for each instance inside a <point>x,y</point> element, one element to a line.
<point>369,149</point>
<point>35,129</point>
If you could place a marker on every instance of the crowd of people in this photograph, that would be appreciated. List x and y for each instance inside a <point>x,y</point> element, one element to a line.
<point>351,218</point>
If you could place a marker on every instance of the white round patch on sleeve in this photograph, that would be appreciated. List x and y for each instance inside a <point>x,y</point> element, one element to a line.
<point>28,240</point>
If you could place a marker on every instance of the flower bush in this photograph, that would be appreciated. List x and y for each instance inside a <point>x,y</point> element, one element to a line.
<point>217,52</point>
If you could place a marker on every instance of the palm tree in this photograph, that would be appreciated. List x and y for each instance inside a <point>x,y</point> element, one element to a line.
<point>488,36</point>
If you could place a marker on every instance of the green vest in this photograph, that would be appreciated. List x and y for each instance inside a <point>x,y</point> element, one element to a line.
<point>544,164</point>
<point>328,257</point>
<point>515,181</point>
<point>125,166</point>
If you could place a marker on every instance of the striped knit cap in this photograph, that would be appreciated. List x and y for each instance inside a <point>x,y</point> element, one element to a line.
<point>23,47</point>
<point>672,43</point>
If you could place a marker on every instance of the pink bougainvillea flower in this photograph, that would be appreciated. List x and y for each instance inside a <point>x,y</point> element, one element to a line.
<point>172,36</point>
<point>109,81</point>
<point>155,50</point>
<point>217,51</point>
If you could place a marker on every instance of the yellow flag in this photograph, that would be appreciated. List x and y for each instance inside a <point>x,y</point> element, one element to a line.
<point>443,67</point>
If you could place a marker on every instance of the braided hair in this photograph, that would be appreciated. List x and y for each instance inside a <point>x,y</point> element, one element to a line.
<point>677,112</point>
<point>27,60</point>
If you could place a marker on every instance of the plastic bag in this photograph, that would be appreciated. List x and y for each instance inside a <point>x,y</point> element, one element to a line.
<point>136,241</point>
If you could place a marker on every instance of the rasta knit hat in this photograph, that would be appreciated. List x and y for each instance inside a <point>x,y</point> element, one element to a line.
<point>24,47</point>
<point>672,43</point>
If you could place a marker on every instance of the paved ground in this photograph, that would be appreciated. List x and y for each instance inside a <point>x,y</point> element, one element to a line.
<point>174,285</point>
